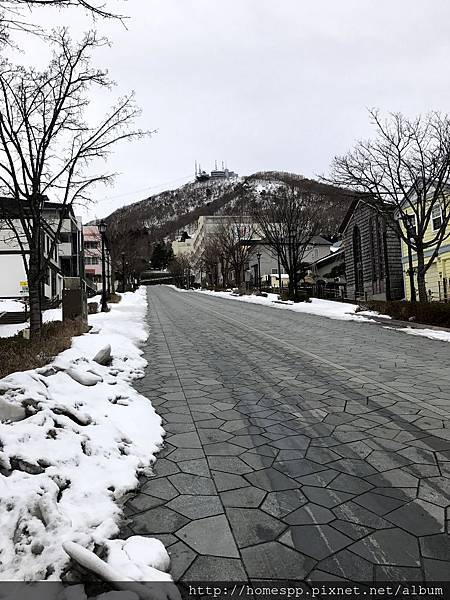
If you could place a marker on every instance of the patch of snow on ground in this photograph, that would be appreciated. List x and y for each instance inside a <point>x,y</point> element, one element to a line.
<point>433,334</point>
<point>11,306</point>
<point>53,314</point>
<point>78,449</point>
<point>11,330</point>
<point>324,308</point>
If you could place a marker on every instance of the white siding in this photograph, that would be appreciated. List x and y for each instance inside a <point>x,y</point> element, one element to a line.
<point>12,272</point>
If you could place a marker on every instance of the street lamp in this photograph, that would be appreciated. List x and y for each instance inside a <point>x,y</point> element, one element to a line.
<point>123,272</point>
<point>102,229</point>
<point>279,273</point>
<point>258,256</point>
<point>222,258</point>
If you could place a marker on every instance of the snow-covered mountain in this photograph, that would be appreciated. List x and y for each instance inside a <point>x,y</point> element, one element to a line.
<point>167,213</point>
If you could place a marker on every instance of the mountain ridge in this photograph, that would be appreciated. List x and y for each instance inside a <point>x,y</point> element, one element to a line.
<point>164,215</point>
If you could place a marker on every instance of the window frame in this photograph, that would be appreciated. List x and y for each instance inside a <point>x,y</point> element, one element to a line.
<point>433,218</point>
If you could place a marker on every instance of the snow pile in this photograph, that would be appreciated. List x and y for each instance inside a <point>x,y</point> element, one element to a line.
<point>323,308</point>
<point>69,451</point>
<point>11,306</point>
<point>53,314</point>
<point>433,334</point>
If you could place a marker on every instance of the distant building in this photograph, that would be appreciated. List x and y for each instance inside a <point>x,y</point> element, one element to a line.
<point>327,274</point>
<point>182,245</point>
<point>93,258</point>
<point>207,226</point>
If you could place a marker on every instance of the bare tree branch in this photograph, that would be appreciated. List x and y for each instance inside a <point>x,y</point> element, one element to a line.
<point>16,15</point>
<point>404,172</point>
<point>288,218</point>
<point>47,146</point>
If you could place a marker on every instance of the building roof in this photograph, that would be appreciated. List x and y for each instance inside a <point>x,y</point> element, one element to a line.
<point>10,208</point>
<point>330,257</point>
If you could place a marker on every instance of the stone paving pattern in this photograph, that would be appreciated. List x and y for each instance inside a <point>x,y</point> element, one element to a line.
<point>281,464</point>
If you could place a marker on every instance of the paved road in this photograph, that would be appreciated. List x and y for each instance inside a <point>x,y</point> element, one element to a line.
<point>297,446</point>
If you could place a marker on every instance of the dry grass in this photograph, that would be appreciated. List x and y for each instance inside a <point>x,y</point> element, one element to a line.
<point>19,354</point>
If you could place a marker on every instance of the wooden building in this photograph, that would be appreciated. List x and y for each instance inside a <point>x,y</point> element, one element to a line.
<point>373,257</point>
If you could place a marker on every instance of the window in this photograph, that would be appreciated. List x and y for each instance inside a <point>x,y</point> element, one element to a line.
<point>65,237</point>
<point>91,244</point>
<point>357,261</point>
<point>411,223</point>
<point>91,260</point>
<point>379,242</point>
<point>274,271</point>
<point>436,217</point>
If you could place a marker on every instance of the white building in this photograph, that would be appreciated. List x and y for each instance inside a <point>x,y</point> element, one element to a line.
<point>66,256</point>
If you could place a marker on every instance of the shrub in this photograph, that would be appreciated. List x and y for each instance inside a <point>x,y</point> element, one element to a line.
<point>92,308</point>
<point>20,354</point>
<point>428,313</point>
<point>303,296</point>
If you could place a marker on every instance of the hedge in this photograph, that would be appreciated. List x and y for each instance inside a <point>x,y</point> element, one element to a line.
<point>428,313</point>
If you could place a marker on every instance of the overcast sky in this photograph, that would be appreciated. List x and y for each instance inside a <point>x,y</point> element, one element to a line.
<point>261,84</point>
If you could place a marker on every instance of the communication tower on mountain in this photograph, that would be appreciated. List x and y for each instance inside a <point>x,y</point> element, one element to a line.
<point>223,173</point>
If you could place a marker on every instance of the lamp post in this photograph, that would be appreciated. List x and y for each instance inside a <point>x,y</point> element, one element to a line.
<point>279,274</point>
<point>222,258</point>
<point>123,272</point>
<point>258,256</point>
<point>102,230</point>
<point>410,232</point>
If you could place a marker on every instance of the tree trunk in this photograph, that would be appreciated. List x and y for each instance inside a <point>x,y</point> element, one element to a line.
<point>421,285</point>
<point>237,274</point>
<point>34,290</point>
<point>291,284</point>
<point>295,285</point>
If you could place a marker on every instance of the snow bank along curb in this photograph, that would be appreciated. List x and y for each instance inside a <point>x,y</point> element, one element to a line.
<point>322,308</point>
<point>73,437</point>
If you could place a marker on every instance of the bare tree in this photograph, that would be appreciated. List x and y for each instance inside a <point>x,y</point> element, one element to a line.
<point>15,14</point>
<point>181,268</point>
<point>129,236</point>
<point>47,146</point>
<point>404,173</point>
<point>232,236</point>
<point>288,218</point>
<point>208,261</point>
<point>96,8</point>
